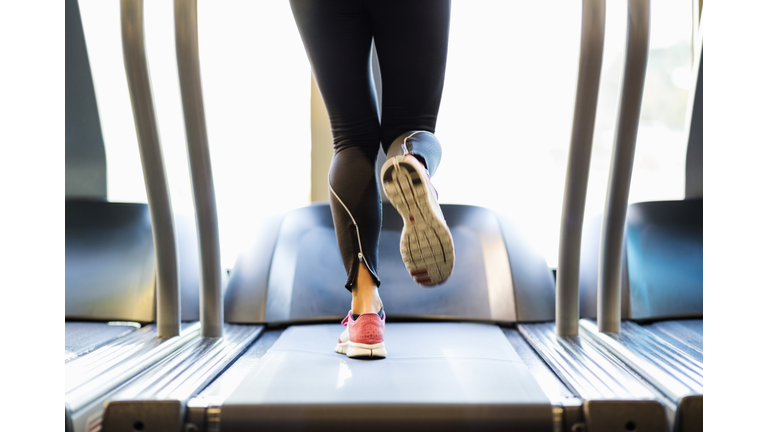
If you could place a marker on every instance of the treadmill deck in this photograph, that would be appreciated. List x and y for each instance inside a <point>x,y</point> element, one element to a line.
<point>458,375</point>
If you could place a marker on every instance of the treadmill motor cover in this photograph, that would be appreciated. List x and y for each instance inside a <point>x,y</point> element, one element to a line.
<point>294,273</point>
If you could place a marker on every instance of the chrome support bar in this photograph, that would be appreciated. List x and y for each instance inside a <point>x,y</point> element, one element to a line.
<point>615,215</point>
<point>577,175</point>
<point>158,198</point>
<point>211,306</point>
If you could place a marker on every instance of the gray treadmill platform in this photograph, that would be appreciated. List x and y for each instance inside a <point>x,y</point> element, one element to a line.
<point>455,376</point>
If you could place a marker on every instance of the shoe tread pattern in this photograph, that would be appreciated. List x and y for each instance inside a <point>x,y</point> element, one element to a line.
<point>426,244</point>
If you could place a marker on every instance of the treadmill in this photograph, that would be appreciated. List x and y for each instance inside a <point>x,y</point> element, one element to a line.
<point>642,276</point>
<point>110,321</point>
<point>85,171</point>
<point>111,327</point>
<point>488,348</point>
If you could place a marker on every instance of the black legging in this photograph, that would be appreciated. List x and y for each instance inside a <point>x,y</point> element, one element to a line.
<point>411,38</point>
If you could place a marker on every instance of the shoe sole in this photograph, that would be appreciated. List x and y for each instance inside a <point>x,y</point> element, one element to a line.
<point>357,350</point>
<point>426,245</point>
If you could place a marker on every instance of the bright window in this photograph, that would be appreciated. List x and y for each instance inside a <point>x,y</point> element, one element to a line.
<point>505,119</point>
<point>256,90</point>
<point>508,102</point>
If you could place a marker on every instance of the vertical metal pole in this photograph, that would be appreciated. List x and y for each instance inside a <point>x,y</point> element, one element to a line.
<point>577,175</point>
<point>187,57</point>
<point>614,220</point>
<point>158,198</point>
<point>694,120</point>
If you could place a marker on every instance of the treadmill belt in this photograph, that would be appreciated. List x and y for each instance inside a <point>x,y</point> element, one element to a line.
<point>457,376</point>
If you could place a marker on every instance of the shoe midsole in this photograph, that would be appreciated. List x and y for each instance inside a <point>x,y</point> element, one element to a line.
<point>366,346</point>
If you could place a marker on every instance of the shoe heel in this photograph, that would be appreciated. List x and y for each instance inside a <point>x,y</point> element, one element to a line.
<point>341,348</point>
<point>366,351</point>
<point>379,352</point>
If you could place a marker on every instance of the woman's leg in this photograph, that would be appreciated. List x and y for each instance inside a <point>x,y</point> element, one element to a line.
<point>412,44</point>
<point>411,38</point>
<point>337,37</point>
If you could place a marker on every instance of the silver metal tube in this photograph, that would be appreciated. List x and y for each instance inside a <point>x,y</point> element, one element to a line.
<point>577,175</point>
<point>211,305</point>
<point>158,198</point>
<point>615,215</point>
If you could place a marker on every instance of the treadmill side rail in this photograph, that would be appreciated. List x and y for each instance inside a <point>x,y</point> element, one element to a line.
<point>672,370</point>
<point>156,399</point>
<point>599,378</point>
<point>80,338</point>
<point>567,410</point>
<point>95,374</point>
<point>686,335</point>
<point>669,369</point>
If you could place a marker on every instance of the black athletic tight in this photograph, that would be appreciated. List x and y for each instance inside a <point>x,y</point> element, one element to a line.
<point>411,38</point>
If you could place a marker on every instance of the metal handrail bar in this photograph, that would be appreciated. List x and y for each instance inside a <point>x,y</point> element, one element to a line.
<point>155,181</point>
<point>187,57</point>
<point>577,174</point>
<point>620,178</point>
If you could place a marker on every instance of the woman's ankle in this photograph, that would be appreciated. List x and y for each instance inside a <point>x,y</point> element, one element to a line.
<point>365,293</point>
<point>366,301</point>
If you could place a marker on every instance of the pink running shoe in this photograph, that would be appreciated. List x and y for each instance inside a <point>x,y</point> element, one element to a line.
<point>426,244</point>
<point>364,336</point>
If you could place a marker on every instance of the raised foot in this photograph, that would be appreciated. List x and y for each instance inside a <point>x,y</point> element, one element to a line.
<point>426,244</point>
